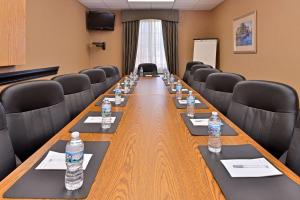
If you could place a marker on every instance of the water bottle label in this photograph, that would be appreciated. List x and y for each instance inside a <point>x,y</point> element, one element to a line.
<point>106,108</point>
<point>190,101</point>
<point>74,157</point>
<point>118,91</point>
<point>178,87</point>
<point>214,129</point>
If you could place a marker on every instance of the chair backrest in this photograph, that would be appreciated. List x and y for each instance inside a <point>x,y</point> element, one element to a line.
<point>148,68</point>
<point>188,67</point>
<point>219,88</point>
<point>117,75</point>
<point>98,80</point>
<point>110,74</point>
<point>7,155</point>
<point>77,90</point>
<point>293,154</point>
<point>199,78</point>
<point>35,111</point>
<point>193,69</point>
<point>266,111</point>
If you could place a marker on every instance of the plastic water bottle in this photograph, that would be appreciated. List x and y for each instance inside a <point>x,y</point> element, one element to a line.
<point>141,72</point>
<point>118,94</point>
<point>126,86</point>
<point>106,114</point>
<point>172,80</point>
<point>74,160</point>
<point>214,130</point>
<point>190,108</point>
<point>168,79</point>
<point>178,90</point>
<point>131,80</point>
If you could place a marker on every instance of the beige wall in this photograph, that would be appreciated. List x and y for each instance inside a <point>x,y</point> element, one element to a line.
<point>113,39</point>
<point>56,35</point>
<point>278,30</point>
<point>192,24</point>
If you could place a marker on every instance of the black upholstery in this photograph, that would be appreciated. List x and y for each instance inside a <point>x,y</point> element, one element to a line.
<point>188,67</point>
<point>192,72</point>
<point>219,89</point>
<point>7,155</point>
<point>110,73</point>
<point>292,156</point>
<point>35,111</point>
<point>266,111</point>
<point>199,79</point>
<point>77,90</point>
<point>148,68</point>
<point>98,80</point>
<point>117,74</point>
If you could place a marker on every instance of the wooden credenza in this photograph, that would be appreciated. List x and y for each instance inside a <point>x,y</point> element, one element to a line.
<point>12,32</point>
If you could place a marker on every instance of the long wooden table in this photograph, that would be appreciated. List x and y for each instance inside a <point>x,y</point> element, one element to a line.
<point>152,155</point>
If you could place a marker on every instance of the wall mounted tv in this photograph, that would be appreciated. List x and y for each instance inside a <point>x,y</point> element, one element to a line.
<point>100,21</point>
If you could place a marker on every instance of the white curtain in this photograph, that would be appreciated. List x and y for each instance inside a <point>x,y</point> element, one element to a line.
<point>151,45</point>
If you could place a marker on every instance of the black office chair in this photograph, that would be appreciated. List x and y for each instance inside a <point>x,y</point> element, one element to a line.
<point>7,155</point>
<point>148,68</point>
<point>77,90</point>
<point>188,67</point>
<point>291,158</point>
<point>266,111</point>
<point>192,72</point>
<point>98,81</point>
<point>110,74</point>
<point>219,88</point>
<point>35,112</point>
<point>117,74</point>
<point>199,79</point>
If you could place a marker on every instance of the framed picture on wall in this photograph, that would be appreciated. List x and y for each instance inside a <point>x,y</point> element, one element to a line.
<point>244,33</point>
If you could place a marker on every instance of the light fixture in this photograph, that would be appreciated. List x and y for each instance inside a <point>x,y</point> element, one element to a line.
<point>151,1</point>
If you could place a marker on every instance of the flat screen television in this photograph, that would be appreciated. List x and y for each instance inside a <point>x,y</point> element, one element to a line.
<point>100,21</point>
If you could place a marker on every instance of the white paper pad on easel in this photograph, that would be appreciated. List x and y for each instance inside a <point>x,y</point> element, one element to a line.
<point>199,122</point>
<point>97,120</point>
<point>258,167</point>
<point>184,101</point>
<point>57,161</point>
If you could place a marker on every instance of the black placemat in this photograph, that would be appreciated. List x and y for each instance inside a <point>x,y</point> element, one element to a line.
<point>150,75</point>
<point>174,92</point>
<point>200,105</point>
<point>166,82</point>
<point>96,127</point>
<point>123,103</point>
<point>264,188</point>
<point>50,184</point>
<point>130,91</point>
<point>203,130</point>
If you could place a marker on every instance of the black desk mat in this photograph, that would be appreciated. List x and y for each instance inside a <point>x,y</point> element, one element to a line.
<point>50,184</point>
<point>96,127</point>
<point>203,130</point>
<point>183,106</point>
<point>123,103</point>
<point>130,91</point>
<point>263,188</point>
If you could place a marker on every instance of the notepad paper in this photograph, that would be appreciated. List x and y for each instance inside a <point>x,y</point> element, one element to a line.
<point>199,122</point>
<point>258,167</point>
<point>57,161</point>
<point>184,101</point>
<point>97,120</point>
<point>148,75</point>
<point>113,99</point>
<point>184,90</point>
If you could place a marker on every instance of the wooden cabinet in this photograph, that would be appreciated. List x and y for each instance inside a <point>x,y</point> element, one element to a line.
<point>12,32</point>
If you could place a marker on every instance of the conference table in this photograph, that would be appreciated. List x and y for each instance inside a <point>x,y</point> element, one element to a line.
<point>152,155</point>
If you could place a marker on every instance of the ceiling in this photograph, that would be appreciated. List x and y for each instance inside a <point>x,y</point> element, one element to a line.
<point>177,4</point>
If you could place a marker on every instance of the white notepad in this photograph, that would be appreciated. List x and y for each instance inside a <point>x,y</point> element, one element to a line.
<point>97,120</point>
<point>184,101</point>
<point>184,90</point>
<point>199,122</point>
<point>258,167</point>
<point>148,75</point>
<point>113,99</point>
<point>57,161</point>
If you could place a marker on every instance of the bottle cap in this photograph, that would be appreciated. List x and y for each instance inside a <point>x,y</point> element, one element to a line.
<point>214,113</point>
<point>75,134</point>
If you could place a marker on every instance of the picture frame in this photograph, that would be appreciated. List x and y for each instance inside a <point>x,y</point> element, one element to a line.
<point>244,33</point>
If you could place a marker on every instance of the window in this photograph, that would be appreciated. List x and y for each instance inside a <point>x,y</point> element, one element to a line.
<point>151,45</point>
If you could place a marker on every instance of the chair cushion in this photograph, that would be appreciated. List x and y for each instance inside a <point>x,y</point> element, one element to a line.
<point>109,71</point>
<point>95,75</point>
<point>266,111</point>
<point>73,83</point>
